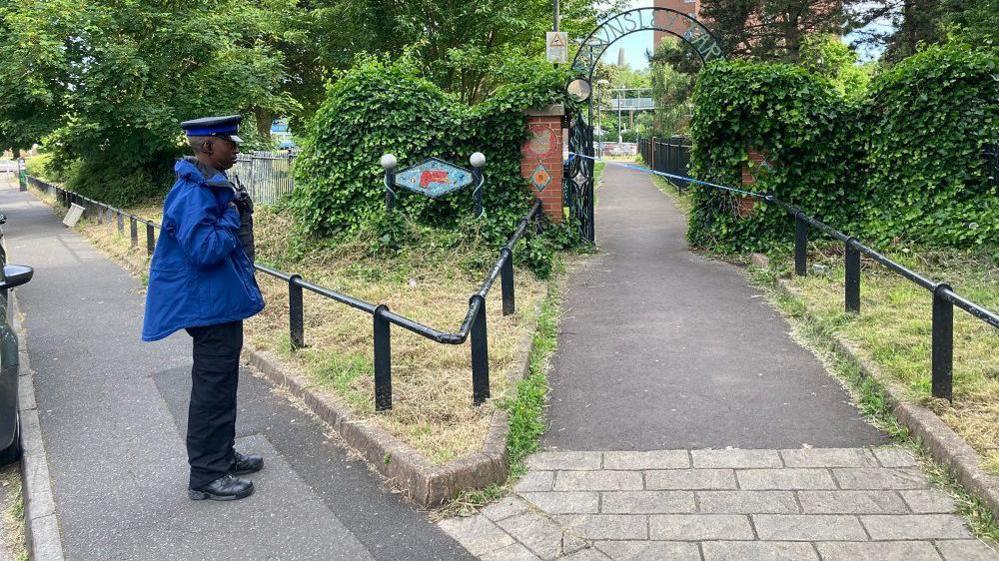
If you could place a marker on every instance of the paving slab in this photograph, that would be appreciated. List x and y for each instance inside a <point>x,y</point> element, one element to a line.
<point>853,502</point>
<point>878,551</point>
<point>915,526</point>
<point>649,550</point>
<point>758,551</point>
<point>700,527</point>
<point>966,550</point>
<point>808,528</point>
<point>648,502</point>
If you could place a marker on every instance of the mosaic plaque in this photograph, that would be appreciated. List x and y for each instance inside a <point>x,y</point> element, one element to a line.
<point>434,178</point>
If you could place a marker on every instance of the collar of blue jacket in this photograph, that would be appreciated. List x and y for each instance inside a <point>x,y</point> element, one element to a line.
<point>188,169</point>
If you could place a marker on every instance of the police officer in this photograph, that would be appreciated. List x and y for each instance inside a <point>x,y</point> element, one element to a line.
<point>201,280</point>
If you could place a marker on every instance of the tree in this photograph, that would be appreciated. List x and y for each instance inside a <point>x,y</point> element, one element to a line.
<point>673,69</point>
<point>827,55</point>
<point>112,81</point>
<point>974,22</point>
<point>909,24</point>
<point>771,30</point>
<point>464,47</point>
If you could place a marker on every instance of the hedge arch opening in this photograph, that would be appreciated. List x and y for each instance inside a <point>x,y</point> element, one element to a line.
<point>578,182</point>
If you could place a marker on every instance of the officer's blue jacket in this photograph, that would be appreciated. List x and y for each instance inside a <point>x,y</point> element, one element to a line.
<point>199,274</point>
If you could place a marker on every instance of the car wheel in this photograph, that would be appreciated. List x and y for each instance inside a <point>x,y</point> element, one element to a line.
<point>12,452</point>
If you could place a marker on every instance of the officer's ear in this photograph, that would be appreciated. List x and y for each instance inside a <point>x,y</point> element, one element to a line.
<point>207,146</point>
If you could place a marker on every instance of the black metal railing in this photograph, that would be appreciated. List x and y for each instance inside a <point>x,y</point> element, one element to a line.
<point>668,156</point>
<point>944,297</point>
<point>474,323</point>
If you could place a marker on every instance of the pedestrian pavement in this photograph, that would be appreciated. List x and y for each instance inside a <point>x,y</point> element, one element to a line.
<point>661,348</point>
<point>687,425</point>
<point>807,504</point>
<point>113,418</point>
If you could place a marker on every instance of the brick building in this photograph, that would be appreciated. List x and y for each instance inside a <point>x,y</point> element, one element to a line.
<point>689,7</point>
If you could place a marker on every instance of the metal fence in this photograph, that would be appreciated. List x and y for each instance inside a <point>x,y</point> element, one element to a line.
<point>267,176</point>
<point>474,323</point>
<point>669,156</point>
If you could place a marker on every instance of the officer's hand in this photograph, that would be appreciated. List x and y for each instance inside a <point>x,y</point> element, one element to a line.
<point>243,202</point>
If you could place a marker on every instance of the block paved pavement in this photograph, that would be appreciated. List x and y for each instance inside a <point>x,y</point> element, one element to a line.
<point>809,504</point>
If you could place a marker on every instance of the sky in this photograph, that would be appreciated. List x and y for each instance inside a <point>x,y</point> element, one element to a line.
<point>636,44</point>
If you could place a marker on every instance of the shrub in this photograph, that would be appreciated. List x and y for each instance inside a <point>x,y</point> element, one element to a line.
<point>931,117</point>
<point>807,131</point>
<point>904,164</point>
<point>382,106</point>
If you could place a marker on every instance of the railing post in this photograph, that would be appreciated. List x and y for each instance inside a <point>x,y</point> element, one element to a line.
<point>852,284</point>
<point>480,353</point>
<point>150,238</point>
<point>506,282</point>
<point>383,360</point>
<point>943,344</point>
<point>800,245</point>
<point>121,223</point>
<point>133,231</point>
<point>296,313</point>
<point>100,214</point>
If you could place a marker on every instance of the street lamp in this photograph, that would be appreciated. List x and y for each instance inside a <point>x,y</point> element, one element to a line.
<point>600,111</point>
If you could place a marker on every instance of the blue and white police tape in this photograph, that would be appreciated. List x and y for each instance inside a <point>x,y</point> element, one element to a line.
<point>670,176</point>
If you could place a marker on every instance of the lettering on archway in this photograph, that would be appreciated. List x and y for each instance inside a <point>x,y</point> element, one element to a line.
<point>678,24</point>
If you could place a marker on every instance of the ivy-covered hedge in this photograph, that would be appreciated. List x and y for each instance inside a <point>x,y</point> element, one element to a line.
<point>383,106</point>
<point>903,164</point>
<point>930,119</point>
<point>808,134</point>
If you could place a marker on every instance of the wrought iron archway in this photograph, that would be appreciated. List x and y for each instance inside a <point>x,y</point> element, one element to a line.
<point>578,182</point>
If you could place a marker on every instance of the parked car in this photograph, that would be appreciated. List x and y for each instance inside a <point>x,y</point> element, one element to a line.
<point>10,422</point>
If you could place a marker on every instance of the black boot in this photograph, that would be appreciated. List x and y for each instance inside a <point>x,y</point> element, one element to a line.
<point>225,488</point>
<point>246,464</point>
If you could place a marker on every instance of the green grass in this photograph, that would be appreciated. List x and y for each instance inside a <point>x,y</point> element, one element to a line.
<point>680,198</point>
<point>527,410</point>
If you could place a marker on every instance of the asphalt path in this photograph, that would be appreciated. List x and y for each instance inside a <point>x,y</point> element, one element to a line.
<point>661,348</point>
<point>113,417</point>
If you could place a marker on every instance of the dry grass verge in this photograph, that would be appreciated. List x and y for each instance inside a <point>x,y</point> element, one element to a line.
<point>430,282</point>
<point>893,332</point>
<point>13,512</point>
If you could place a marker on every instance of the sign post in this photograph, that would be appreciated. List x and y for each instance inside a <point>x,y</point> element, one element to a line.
<point>22,174</point>
<point>557,46</point>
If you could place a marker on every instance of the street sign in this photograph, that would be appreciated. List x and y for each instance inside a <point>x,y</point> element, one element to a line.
<point>433,178</point>
<point>557,46</point>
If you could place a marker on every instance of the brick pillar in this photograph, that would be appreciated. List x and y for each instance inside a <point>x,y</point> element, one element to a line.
<point>743,206</point>
<point>541,161</point>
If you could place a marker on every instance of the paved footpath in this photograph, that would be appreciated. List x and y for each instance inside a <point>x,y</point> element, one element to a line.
<point>113,415</point>
<point>687,425</point>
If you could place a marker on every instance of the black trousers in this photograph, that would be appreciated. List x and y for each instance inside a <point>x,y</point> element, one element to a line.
<point>211,418</point>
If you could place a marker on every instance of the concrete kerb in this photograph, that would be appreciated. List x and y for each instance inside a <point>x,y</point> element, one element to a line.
<point>41,523</point>
<point>406,469</point>
<point>945,445</point>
